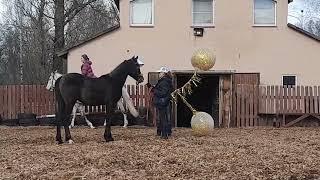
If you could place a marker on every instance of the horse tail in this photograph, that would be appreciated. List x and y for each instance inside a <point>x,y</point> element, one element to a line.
<point>60,105</point>
<point>129,103</point>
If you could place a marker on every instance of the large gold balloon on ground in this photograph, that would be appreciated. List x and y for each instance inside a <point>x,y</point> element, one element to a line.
<point>203,59</point>
<point>201,123</point>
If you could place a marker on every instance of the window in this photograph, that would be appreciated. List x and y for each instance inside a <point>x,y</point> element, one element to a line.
<point>202,12</point>
<point>141,12</point>
<point>289,80</point>
<point>264,12</point>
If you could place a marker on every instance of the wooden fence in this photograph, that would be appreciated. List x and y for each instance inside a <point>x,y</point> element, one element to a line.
<point>252,101</point>
<point>15,99</point>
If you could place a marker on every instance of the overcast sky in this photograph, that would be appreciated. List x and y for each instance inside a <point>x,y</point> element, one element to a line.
<point>294,9</point>
<point>1,10</point>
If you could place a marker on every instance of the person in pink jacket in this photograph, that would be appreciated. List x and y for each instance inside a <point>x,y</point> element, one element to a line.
<point>86,68</point>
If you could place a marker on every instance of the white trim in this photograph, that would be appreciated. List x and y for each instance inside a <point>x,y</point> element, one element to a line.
<point>210,25</point>
<point>204,26</point>
<point>141,25</point>
<point>265,25</point>
<point>295,75</point>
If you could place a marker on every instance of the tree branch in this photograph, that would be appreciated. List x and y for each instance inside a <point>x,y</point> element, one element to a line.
<point>75,9</point>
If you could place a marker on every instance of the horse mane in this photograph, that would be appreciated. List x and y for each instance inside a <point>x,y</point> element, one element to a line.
<point>117,69</point>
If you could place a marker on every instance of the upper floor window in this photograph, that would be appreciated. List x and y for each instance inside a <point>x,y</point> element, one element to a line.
<point>202,12</point>
<point>264,12</point>
<point>141,12</point>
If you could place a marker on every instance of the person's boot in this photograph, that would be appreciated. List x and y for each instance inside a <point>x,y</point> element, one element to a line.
<point>169,131</point>
<point>164,136</point>
<point>158,132</point>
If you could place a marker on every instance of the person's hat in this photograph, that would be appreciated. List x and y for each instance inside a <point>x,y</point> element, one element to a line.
<point>164,69</point>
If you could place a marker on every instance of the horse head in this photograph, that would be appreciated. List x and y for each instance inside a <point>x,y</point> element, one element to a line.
<point>133,69</point>
<point>52,79</point>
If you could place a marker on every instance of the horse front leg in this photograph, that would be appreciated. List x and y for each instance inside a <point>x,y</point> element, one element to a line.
<point>107,132</point>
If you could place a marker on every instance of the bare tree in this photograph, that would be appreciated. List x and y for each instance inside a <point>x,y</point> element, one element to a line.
<point>83,27</point>
<point>34,31</point>
<point>62,17</point>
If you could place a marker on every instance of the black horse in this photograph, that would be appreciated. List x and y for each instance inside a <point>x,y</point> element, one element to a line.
<point>105,90</point>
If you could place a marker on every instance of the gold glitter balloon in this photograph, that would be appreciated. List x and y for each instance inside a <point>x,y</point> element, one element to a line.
<point>203,60</point>
<point>201,123</point>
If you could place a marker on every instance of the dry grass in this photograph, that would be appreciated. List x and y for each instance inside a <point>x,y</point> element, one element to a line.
<point>136,153</point>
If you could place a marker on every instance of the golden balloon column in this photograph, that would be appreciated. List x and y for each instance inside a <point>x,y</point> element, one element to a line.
<point>201,122</point>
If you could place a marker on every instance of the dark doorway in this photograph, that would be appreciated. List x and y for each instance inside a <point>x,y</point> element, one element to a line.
<point>204,98</point>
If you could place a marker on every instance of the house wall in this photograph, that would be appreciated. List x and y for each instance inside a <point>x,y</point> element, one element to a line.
<point>238,45</point>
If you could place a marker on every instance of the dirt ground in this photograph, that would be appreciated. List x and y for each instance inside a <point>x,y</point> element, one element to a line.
<point>136,153</point>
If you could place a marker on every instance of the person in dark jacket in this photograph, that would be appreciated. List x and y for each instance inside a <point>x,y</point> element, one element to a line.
<point>161,99</point>
<point>86,68</point>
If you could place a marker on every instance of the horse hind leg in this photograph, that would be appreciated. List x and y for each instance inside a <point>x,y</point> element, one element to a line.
<point>66,123</point>
<point>59,117</point>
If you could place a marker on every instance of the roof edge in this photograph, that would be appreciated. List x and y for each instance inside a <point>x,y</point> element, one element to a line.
<point>310,35</point>
<point>65,51</point>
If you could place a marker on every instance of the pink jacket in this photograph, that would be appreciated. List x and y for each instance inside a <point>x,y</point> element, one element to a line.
<point>86,69</point>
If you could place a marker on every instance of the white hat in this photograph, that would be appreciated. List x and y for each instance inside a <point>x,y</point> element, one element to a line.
<point>164,69</point>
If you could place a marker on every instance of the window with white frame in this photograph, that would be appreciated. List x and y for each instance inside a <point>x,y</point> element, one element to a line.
<point>202,12</point>
<point>141,12</point>
<point>289,80</point>
<point>265,12</point>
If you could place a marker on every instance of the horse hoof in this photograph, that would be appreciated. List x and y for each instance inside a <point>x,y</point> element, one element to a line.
<point>109,139</point>
<point>70,141</point>
<point>59,142</point>
<point>92,127</point>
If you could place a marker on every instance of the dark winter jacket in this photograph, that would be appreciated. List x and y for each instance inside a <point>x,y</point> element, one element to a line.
<point>162,92</point>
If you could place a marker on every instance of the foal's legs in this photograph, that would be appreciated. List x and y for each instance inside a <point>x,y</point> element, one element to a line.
<point>74,114</point>
<point>82,112</point>
<point>123,111</point>
<point>125,120</point>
